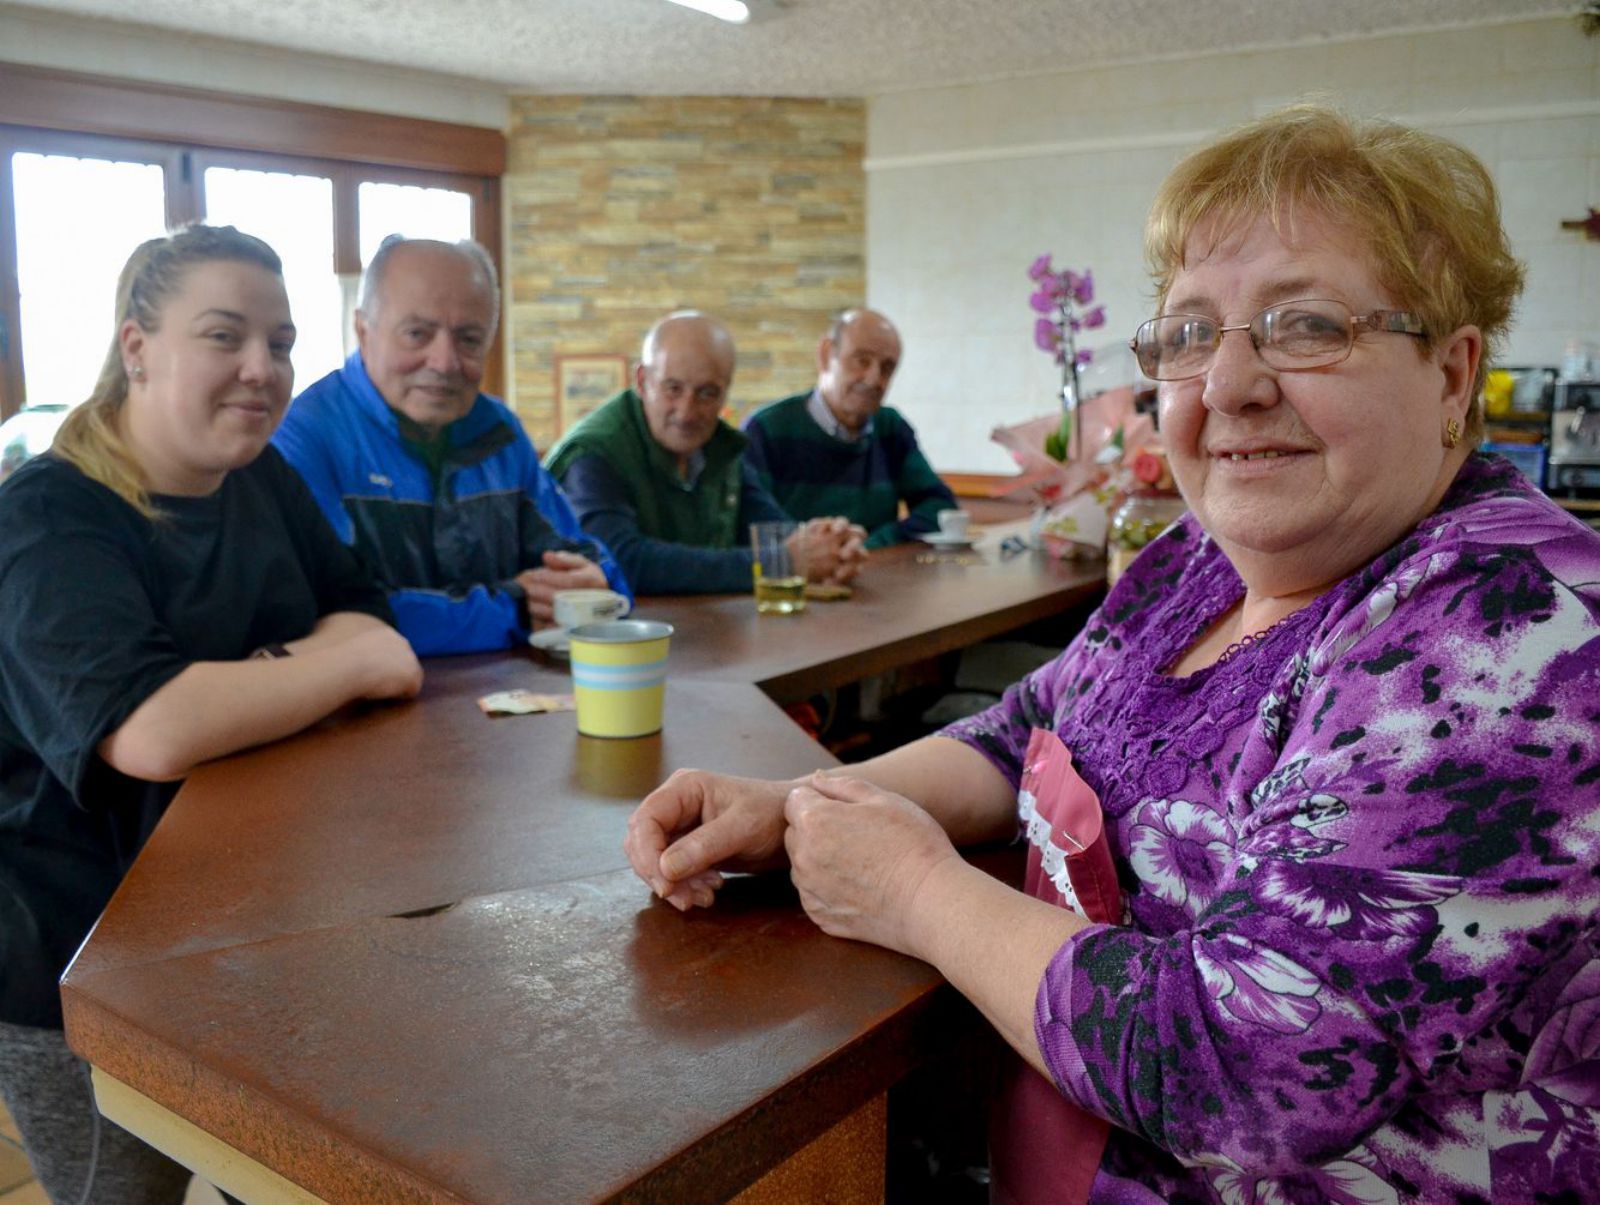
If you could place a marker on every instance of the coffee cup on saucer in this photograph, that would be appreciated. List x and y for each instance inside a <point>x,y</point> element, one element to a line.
<point>574,608</point>
<point>953,523</point>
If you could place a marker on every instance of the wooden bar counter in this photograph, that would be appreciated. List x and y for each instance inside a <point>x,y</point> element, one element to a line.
<point>400,957</point>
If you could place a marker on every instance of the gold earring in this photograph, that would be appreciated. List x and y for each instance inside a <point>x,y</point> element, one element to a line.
<point>1452,433</point>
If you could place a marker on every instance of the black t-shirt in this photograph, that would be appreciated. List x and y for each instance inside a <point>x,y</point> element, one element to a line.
<point>100,607</point>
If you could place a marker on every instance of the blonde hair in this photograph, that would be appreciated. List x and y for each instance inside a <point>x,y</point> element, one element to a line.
<point>90,437</point>
<point>1425,208</point>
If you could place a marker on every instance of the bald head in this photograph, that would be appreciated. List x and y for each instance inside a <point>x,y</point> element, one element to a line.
<point>685,368</point>
<point>855,360</point>
<point>689,329</point>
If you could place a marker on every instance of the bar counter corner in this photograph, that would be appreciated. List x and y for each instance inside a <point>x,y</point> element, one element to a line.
<point>401,957</point>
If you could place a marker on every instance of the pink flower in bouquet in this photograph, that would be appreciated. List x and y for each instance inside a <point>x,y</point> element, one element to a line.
<point>1146,467</point>
<point>1149,469</point>
<point>1046,337</point>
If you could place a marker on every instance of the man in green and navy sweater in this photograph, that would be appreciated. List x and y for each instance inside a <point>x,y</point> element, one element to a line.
<point>666,480</point>
<point>839,450</point>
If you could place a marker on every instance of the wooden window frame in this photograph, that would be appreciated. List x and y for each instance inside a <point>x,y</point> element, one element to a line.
<point>189,129</point>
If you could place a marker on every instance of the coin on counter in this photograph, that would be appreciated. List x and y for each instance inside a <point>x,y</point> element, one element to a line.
<point>827,591</point>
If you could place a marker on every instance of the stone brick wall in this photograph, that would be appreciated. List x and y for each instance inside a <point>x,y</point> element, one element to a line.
<point>621,209</point>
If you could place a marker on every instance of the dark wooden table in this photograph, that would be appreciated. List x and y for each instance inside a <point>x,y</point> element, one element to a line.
<point>913,603</point>
<point>401,957</point>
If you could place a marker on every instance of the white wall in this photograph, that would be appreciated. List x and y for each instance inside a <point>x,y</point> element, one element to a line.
<point>967,185</point>
<point>40,39</point>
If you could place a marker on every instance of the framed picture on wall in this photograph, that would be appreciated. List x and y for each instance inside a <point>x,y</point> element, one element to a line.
<point>584,383</point>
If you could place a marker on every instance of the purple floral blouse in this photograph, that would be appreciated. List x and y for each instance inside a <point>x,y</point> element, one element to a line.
<point>1361,860</point>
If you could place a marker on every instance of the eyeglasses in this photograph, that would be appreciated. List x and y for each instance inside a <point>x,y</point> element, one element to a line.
<point>1290,336</point>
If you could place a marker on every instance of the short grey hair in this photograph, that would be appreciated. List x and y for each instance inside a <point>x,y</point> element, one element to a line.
<point>468,249</point>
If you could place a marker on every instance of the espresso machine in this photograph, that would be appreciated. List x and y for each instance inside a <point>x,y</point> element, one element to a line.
<point>1574,461</point>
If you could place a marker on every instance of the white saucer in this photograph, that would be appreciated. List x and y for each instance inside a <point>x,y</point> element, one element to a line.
<point>939,539</point>
<point>552,640</point>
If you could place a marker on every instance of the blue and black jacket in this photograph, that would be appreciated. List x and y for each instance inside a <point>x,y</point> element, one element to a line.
<point>449,555</point>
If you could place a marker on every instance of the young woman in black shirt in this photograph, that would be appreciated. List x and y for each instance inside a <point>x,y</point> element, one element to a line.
<point>172,595</point>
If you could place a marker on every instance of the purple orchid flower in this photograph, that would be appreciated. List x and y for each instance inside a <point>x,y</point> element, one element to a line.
<point>1045,335</point>
<point>1084,356</point>
<point>1043,301</point>
<point>1095,317</point>
<point>1082,287</point>
<point>1040,268</point>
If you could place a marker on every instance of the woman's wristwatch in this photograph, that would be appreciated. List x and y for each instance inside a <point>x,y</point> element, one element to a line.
<point>269,652</point>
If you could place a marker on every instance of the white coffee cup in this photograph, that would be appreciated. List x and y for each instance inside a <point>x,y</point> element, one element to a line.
<point>574,607</point>
<point>953,524</point>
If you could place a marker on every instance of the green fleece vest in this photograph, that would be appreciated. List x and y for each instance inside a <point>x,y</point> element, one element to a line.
<point>704,515</point>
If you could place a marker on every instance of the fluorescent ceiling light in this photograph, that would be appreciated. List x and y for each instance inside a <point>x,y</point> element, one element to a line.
<point>727,10</point>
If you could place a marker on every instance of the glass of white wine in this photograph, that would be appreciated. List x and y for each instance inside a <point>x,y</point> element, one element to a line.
<point>780,578</point>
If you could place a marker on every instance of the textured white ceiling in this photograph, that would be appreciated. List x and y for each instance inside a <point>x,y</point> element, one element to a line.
<point>793,48</point>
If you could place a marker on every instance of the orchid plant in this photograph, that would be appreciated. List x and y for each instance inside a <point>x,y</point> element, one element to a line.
<point>1062,299</point>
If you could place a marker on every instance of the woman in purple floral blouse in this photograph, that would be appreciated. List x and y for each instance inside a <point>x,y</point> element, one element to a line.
<point>1341,720</point>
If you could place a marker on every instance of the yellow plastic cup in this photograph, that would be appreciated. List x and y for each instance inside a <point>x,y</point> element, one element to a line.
<point>619,675</point>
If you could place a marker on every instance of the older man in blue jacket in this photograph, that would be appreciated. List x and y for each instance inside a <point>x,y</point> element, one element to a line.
<point>435,484</point>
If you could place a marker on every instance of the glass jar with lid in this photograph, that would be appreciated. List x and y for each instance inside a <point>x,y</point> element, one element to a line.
<point>1143,516</point>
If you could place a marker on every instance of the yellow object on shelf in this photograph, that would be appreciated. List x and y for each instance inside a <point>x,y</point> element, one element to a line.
<point>1497,390</point>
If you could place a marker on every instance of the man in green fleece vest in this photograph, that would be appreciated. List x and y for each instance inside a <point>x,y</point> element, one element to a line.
<point>658,471</point>
<point>838,450</point>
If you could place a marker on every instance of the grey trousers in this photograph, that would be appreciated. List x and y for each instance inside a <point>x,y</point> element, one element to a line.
<point>79,1157</point>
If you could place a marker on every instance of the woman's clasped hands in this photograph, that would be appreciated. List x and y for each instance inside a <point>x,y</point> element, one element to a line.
<point>858,855</point>
<point>861,857</point>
